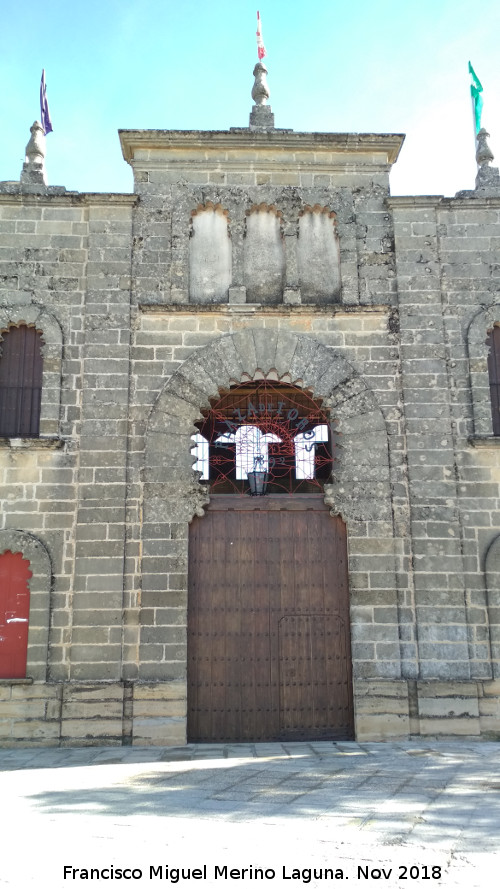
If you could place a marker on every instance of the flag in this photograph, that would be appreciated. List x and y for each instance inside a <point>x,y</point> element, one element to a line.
<point>477,99</point>
<point>44,107</point>
<point>261,49</point>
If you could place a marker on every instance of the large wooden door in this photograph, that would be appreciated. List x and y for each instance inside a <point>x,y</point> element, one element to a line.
<point>268,622</point>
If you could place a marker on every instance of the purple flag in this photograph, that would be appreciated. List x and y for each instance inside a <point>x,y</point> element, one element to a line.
<point>44,107</point>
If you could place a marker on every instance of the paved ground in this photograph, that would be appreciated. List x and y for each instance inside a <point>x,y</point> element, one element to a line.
<point>392,815</point>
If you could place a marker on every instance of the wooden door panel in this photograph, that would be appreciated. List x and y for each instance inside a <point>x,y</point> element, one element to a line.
<point>314,681</point>
<point>14,614</point>
<point>268,622</point>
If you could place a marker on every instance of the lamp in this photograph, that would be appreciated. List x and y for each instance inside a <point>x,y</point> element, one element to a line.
<point>258,478</point>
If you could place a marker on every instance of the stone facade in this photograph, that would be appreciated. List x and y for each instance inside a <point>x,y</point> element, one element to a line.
<point>253,253</point>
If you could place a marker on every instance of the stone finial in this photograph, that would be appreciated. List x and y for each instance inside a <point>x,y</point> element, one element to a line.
<point>261,117</point>
<point>484,155</point>
<point>487,179</point>
<point>260,89</point>
<point>33,172</point>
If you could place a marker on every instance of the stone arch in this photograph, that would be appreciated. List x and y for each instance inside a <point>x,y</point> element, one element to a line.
<point>360,492</point>
<point>478,367</point>
<point>357,492</point>
<point>492,574</point>
<point>52,343</point>
<point>40,584</point>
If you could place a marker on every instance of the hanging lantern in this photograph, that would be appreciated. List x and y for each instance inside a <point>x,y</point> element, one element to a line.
<point>258,478</point>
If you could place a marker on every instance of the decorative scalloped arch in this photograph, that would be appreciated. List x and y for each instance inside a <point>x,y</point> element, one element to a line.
<point>357,491</point>
<point>360,491</point>
<point>40,583</point>
<point>47,324</point>
<point>478,367</point>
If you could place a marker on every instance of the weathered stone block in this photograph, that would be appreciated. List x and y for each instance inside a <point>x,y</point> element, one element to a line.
<point>159,731</point>
<point>448,707</point>
<point>381,727</point>
<point>444,726</point>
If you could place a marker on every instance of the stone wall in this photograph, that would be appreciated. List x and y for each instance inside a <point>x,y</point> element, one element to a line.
<point>389,332</point>
<point>449,281</point>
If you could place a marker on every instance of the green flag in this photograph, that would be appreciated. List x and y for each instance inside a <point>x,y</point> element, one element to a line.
<point>477,99</point>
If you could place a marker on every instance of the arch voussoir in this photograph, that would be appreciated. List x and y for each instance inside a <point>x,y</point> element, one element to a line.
<point>244,344</point>
<point>230,358</point>
<point>265,347</point>
<point>352,397</point>
<point>187,390</point>
<point>304,357</point>
<point>194,371</point>
<point>285,350</point>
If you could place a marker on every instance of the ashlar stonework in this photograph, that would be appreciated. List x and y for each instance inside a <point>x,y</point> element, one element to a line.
<point>246,255</point>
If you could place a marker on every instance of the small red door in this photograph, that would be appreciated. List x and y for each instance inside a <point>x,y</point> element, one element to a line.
<point>14,614</point>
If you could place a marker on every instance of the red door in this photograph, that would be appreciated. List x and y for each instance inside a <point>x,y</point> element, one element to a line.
<point>14,614</point>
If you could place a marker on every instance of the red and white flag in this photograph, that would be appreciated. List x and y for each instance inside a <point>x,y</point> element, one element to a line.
<point>261,49</point>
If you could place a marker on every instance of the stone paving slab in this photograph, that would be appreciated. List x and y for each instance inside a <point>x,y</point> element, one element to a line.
<point>374,814</point>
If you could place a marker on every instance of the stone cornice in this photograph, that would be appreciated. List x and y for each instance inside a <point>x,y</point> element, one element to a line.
<point>72,197</point>
<point>419,200</point>
<point>170,146</point>
<point>468,201</point>
<point>259,309</point>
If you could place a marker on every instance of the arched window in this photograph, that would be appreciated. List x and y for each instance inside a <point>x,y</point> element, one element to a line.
<point>21,366</point>
<point>266,427</point>
<point>493,341</point>
<point>14,614</point>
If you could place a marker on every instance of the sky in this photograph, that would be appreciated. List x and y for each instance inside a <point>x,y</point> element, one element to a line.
<point>361,67</point>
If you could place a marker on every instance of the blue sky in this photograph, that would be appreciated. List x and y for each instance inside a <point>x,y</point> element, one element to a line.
<point>186,64</point>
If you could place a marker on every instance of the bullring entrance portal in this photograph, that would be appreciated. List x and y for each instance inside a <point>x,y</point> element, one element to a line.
<point>268,604</point>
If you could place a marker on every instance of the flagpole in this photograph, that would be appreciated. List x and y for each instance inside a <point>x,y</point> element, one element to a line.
<point>44,107</point>
<point>261,49</point>
<point>473,108</point>
<point>476,89</point>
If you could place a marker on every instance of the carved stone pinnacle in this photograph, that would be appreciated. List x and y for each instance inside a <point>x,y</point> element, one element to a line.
<point>260,90</point>
<point>484,155</point>
<point>33,172</point>
<point>261,116</point>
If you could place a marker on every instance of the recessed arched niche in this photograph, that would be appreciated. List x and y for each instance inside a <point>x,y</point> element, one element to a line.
<point>210,266</point>
<point>264,257</point>
<point>318,256</point>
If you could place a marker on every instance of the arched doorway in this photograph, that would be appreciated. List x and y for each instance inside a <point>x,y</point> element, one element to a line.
<point>268,603</point>
<point>14,614</point>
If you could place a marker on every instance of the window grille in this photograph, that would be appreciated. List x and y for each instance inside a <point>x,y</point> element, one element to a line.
<point>275,428</point>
